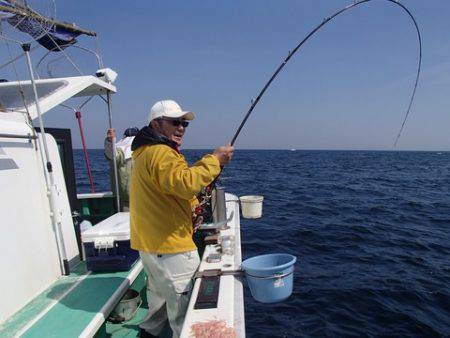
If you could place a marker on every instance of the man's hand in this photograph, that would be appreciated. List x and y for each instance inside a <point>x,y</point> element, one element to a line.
<point>110,134</point>
<point>224,154</point>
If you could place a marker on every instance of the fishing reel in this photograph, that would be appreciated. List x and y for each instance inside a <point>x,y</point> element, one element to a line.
<point>203,212</point>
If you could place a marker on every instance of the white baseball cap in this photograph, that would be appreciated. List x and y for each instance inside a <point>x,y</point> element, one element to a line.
<point>169,108</point>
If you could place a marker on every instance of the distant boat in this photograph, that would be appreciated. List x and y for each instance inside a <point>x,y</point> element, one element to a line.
<point>293,149</point>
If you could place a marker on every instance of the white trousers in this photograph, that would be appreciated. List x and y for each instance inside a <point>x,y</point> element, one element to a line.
<point>169,285</point>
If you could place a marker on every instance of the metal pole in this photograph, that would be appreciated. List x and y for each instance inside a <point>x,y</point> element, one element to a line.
<point>28,137</point>
<point>116,177</point>
<point>56,219</point>
<point>86,155</point>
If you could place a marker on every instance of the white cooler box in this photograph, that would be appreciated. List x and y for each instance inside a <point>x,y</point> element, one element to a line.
<point>107,244</point>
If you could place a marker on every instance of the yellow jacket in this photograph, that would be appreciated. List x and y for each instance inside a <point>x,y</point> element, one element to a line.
<point>162,191</point>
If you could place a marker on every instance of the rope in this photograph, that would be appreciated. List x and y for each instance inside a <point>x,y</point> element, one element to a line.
<point>97,47</point>
<point>21,91</point>
<point>65,54</point>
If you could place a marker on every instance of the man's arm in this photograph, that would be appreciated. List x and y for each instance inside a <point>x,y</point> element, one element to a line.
<point>175,177</point>
<point>109,147</point>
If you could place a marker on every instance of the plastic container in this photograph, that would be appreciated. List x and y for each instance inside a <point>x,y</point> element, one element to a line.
<point>127,307</point>
<point>107,245</point>
<point>226,244</point>
<point>270,277</point>
<point>251,206</point>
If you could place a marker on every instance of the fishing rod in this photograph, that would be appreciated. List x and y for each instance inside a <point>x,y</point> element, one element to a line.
<point>297,48</point>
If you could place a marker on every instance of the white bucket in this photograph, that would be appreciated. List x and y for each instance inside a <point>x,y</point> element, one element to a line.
<point>251,206</point>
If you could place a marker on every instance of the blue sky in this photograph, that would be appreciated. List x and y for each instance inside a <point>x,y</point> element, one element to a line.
<point>347,89</point>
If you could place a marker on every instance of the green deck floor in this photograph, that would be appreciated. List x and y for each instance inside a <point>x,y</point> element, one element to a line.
<point>73,313</point>
<point>13,325</point>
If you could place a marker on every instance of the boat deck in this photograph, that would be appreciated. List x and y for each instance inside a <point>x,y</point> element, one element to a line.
<point>74,306</point>
<point>78,305</point>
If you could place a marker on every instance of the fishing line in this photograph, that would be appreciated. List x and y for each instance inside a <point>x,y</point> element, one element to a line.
<point>297,48</point>
<point>323,23</point>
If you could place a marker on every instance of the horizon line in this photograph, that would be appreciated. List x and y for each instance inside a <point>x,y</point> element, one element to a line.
<point>308,149</point>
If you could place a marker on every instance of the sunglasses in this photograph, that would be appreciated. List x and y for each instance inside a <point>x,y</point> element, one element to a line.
<point>177,123</point>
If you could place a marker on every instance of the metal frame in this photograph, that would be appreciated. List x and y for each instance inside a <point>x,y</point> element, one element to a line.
<point>28,137</point>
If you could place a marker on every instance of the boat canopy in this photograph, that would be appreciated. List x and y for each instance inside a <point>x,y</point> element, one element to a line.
<point>51,92</point>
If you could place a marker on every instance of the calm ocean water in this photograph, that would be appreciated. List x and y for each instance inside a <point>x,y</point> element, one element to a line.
<point>371,231</point>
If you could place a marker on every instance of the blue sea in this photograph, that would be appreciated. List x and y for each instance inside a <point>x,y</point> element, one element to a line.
<point>370,229</point>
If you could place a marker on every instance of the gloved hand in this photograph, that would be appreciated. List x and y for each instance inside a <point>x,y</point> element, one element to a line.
<point>110,134</point>
<point>224,154</point>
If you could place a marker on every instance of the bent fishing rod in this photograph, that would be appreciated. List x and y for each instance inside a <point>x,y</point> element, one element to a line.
<point>297,48</point>
<point>299,45</point>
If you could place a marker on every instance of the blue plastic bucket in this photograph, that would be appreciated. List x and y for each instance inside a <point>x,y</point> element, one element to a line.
<point>270,277</point>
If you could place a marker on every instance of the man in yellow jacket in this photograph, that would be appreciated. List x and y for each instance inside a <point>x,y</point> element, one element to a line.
<point>162,193</point>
